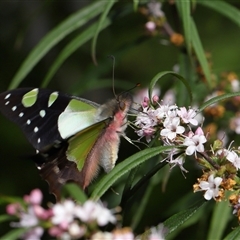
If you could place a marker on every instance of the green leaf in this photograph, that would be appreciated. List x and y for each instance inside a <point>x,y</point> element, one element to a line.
<point>220,218</point>
<point>103,17</point>
<point>141,182</point>
<point>10,199</point>
<point>135,5</point>
<point>71,48</point>
<point>198,48</point>
<point>223,8</point>
<point>75,192</point>
<point>73,22</point>
<point>178,219</point>
<point>129,182</point>
<point>162,74</point>
<point>6,217</point>
<point>14,234</point>
<point>234,235</point>
<point>184,8</point>
<point>217,99</point>
<point>122,168</point>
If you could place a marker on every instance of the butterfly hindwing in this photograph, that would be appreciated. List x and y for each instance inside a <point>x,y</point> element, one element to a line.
<point>67,163</point>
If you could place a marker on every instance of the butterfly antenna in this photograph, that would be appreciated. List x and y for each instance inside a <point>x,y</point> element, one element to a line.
<point>113,73</point>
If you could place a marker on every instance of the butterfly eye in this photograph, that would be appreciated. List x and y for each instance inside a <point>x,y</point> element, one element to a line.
<point>122,105</point>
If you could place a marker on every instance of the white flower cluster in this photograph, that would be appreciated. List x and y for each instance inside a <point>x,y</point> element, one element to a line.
<point>68,220</point>
<point>173,124</point>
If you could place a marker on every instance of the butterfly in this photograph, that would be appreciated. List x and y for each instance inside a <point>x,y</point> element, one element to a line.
<point>73,136</point>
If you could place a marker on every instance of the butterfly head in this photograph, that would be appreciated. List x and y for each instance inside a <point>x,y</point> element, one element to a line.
<point>116,107</point>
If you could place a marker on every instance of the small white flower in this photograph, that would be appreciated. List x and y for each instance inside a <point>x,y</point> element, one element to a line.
<point>28,219</point>
<point>155,9</point>
<point>148,133</point>
<point>143,120</point>
<point>172,128</point>
<point>234,159</point>
<point>92,211</point>
<point>158,233</point>
<point>235,124</point>
<point>33,234</point>
<point>161,111</point>
<point>211,187</point>
<point>195,142</point>
<point>235,85</point>
<point>187,115</point>
<point>178,161</point>
<point>102,236</point>
<point>63,213</point>
<point>75,230</point>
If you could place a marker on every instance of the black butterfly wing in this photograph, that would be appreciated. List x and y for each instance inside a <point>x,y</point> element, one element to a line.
<point>36,112</point>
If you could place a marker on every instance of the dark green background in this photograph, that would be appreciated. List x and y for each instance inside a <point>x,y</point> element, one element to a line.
<point>138,58</point>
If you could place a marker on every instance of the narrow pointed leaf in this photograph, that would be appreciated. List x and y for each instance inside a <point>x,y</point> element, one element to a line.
<point>224,8</point>
<point>122,168</point>
<point>6,217</point>
<point>162,74</point>
<point>219,221</point>
<point>184,8</point>
<point>14,234</point>
<point>217,99</point>
<point>234,235</point>
<point>100,23</point>
<point>75,192</point>
<point>198,48</point>
<point>73,22</point>
<point>135,5</point>
<point>70,48</point>
<point>178,219</point>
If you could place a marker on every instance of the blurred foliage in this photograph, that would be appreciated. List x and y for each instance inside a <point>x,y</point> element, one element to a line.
<point>50,43</point>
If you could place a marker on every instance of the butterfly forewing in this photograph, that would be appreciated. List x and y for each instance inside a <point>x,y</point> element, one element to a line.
<point>37,112</point>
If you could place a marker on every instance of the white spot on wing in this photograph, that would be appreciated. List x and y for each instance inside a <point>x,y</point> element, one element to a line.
<point>35,129</point>
<point>28,122</point>
<point>21,114</point>
<point>61,180</point>
<point>6,103</point>
<point>7,96</point>
<point>42,113</point>
<point>56,169</point>
<point>39,140</point>
<point>14,108</point>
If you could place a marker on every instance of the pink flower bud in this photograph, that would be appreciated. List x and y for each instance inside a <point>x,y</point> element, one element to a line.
<point>199,131</point>
<point>150,26</point>
<point>13,208</point>
<point>41,213</point>
<point>155,98</point>
<point>55,231</point>
<point>35,197</point>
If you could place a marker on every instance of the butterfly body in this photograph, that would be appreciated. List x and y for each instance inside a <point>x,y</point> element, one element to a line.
<point>75,136</point>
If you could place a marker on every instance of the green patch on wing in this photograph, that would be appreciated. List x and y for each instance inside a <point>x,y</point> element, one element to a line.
<point>77,105</point>
<point>52,98</point>
<point>30,98</point>
<point>77,116</point>
<point>81,144</point>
